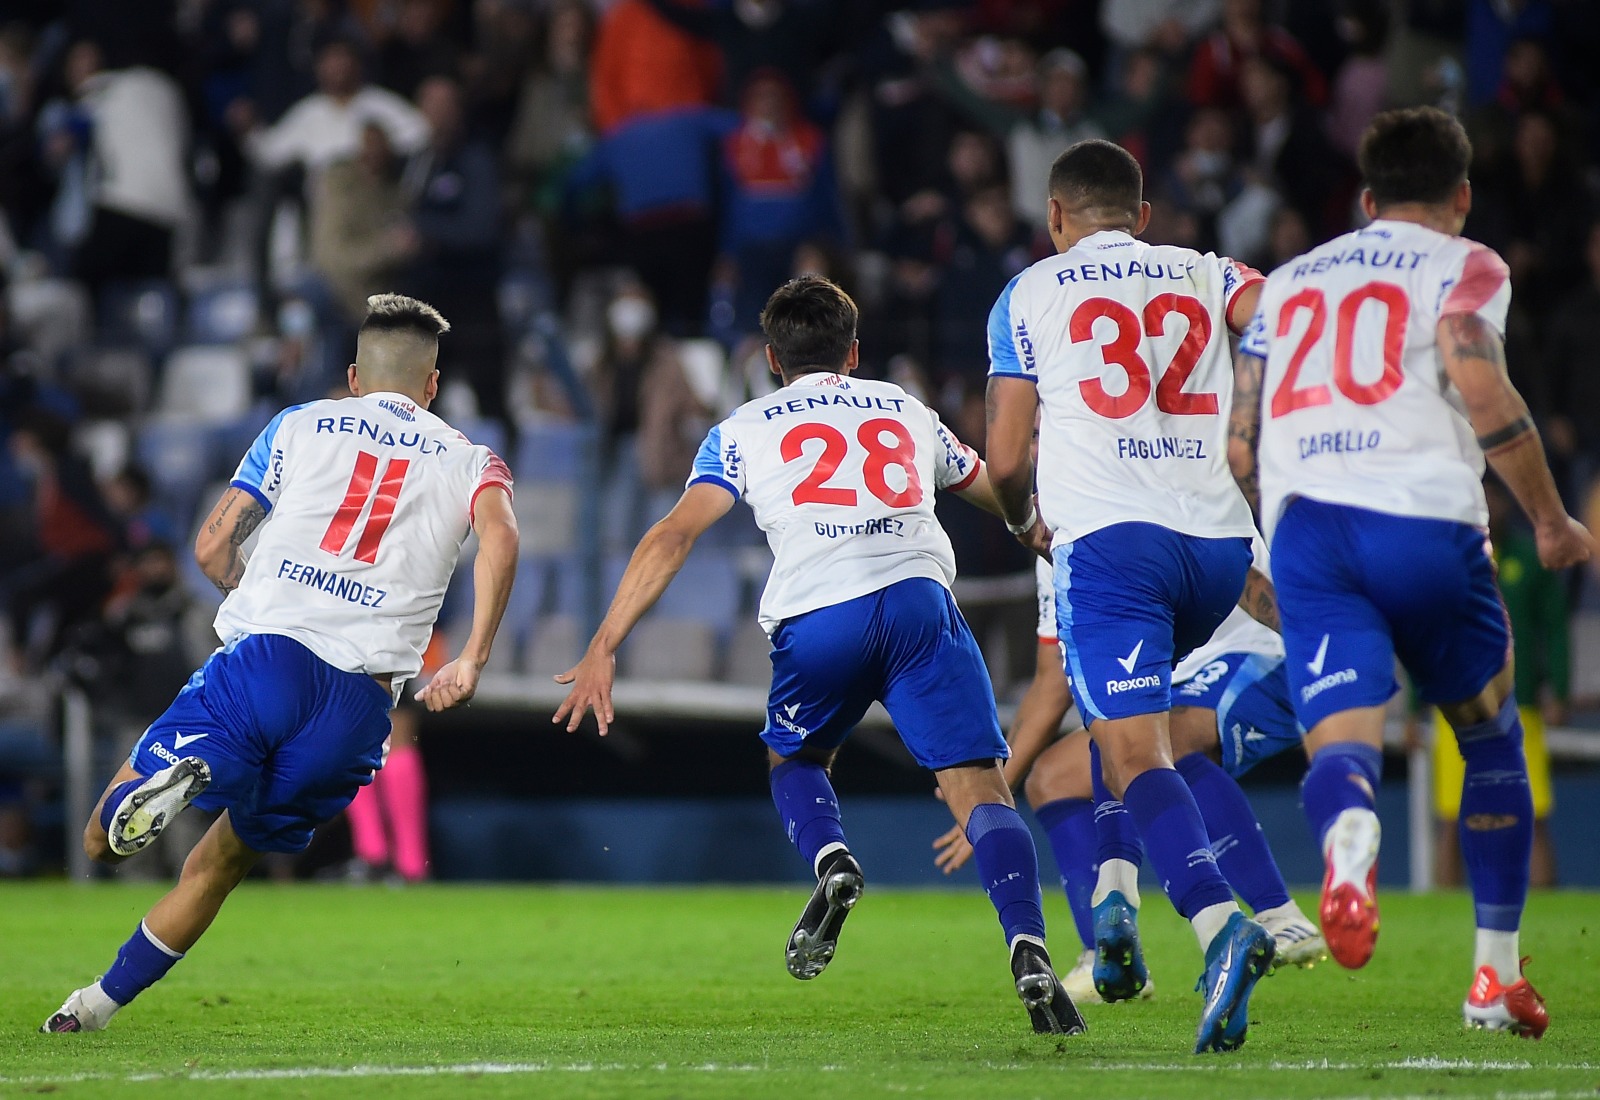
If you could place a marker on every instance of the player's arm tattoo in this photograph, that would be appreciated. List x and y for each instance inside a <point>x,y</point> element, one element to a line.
<point>1514,434</point>
<point>1260,599</point>
<point>1244,427</point>
<point>1475,338</point>
<point>239,516</point>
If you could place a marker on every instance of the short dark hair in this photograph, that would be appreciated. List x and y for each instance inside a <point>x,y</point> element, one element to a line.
<point>1098,174</point>
<point>397,313</point>
<point>811,324</point>
<point>1416,154</point>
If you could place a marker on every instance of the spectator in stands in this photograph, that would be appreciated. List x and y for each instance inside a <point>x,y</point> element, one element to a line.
<point>416,48</point>
<point>361,237</point>
<point>1572,362</point>
<point>1361,86</point>
<point>631,346</point>
<point>137,144</point>
<point>141,521</point>
<point>1217,73</point>
<point>455,222</point>
<point>1205,176</point>
<point>1287,148</point>
<point>1167,26</point>
<point>673,421</point>
<point>989,247</point>
<point>66,576</point>
<point>643,64</point>
<point>753,36</point>
<point>780,190</point>
<point>1136,112</point>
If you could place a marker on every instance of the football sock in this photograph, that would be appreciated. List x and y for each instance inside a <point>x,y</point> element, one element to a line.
<point>1160,802</point>
<point>142,962</point>
<point>808,807</point>
<point>1069,822</point>
<point>405,805</point>
<point>1241,848</point>
<point>1117,845</point>
<point>1342,776</point>
<point>1496,821</point>
<point>1008,866</point>
<point>108,809</point>
<point>1499,950</point>
<point>365,815</point>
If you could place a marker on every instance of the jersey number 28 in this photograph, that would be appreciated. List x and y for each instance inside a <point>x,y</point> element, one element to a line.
<point>835,448</point>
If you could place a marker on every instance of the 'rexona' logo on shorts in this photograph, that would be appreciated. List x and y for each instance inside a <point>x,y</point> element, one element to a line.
<point>1332,679</point>
<point>1116,687</point>
<point>161,752</point>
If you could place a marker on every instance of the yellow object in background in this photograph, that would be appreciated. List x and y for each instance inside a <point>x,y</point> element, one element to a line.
<point>1449,769</point>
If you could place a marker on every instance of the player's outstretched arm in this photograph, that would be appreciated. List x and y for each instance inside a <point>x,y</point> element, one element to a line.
<point>1034,729</point>
<point>1475,360</point>
<point>980,491</point>
<point>218,546</point>
<point>495,524</point>
<point>1011,405</point>
<point>659,556</point>
<point>1244,428</point>
<point>1260,600</point>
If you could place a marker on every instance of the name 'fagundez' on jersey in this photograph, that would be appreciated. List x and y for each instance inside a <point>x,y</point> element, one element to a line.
<point>1355,406</point>
<point>368,501</point>
<point>1128,344</point>
<point>840,474</point>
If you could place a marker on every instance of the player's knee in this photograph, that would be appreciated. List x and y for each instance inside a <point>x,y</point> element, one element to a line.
<point>1491,735</point>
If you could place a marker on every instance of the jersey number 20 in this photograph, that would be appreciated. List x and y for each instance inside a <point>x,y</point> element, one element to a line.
<point>1291,396</point>
<point>355,499</point>
<point>902,453</point>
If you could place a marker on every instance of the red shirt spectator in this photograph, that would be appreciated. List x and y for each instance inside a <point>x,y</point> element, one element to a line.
<point>642,63</point>
<point>1220,57</point>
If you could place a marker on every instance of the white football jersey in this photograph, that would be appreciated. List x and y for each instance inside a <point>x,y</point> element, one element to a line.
<point>1355,406</point>
<point>1128,343</point>
<point>1239,633</point>
<point>368,502</point>
<point>840,474</point>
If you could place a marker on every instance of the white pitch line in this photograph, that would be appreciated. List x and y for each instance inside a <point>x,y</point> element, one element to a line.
<point>500,1069</point>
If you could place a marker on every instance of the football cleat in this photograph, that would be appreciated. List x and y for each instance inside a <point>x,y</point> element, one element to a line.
<point>1119,970</point>
<point>150,807</point>
<point>816,934</point>
<point>1079,981</point>
<point>1516,1008</point>
<point>72,1016</point>
<point>1349,908</point>
<point>1238,957</point>
<point>1049,1005</point>
<point>1294,937</point>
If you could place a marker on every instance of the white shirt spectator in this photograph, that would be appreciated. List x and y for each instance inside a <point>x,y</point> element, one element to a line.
<point>140,139</point>
<point>320,129</point>
<point>1131,24</point>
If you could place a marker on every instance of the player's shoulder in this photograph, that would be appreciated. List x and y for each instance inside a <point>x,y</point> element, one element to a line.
<point>816,391</point>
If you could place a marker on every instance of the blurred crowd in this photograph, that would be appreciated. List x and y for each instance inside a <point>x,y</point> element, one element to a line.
<point>197,196</point>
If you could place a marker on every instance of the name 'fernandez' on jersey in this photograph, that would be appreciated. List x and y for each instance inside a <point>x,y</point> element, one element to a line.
<point>1135,383</point>
<point>840,474</point>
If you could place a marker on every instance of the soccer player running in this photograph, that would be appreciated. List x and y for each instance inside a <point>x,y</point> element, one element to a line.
<point>362,505</point>
<point>840,474</point>
<point>1230,712</point>
<point>1372,363</point>
<point>1122,347</point>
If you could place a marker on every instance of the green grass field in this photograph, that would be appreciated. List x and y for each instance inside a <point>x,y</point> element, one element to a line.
<point>481,991</point>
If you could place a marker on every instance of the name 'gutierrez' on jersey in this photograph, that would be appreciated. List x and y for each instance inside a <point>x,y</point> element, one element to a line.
<point>368,501</point>
<point>1128,344</point>
<point>840,474</point>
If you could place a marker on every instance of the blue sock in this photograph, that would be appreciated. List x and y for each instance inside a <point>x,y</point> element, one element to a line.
<point>1070,825</point>
<point>1009,868</point>
<point>1236,837</point>
<point>1118,836</point>
<point>1159,800</point>
<point>140,964</point>
<point>808,807</point>
<point>1496,818</point>
<point>1342,776</point>
<point>108,809</point>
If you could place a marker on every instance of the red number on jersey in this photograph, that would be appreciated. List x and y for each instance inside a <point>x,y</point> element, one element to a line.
<point>1123,351</point>
<point>815,489</point>
<point>1287,398</point>
<point>355,499</point>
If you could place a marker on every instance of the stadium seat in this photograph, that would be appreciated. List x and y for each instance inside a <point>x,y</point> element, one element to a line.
<point>140,314</point>
<point>547,515</point>
<point>706,589</point>
<point>555,646</point>
<point>178,456</point>
<point>205,384</point>
<point>484,432</point>
<point>554,450</point>
<point>105,444</point>
<point>670,649</point>
<point>113,381</point>
<point>224,313</point>
<point>749,655</point>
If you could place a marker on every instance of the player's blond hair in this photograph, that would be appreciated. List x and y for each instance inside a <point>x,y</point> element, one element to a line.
<point>398,313</point>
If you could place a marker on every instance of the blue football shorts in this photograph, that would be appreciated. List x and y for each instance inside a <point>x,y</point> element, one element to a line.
<point>1132,600</point>
<point>1250,693</point>
<point>905,645</point>
<point>288,737</point>
<point>1358,588</point>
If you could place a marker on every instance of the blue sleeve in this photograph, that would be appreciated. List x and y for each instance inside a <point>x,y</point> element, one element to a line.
<point>1254,341</point>
<point>260,472</point>
<point>719,462</point>
<point>1010,348</point>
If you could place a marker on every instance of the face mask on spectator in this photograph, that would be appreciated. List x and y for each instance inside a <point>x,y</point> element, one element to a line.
<point>631,318</point>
